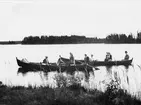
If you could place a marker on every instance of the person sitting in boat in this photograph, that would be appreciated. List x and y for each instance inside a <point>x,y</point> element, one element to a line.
<point>92,58</point>
<point>72,60</point>
<point>60,61</point>
<point>86,59</point>
<point>46,61</point>
<point>126,56</point>
<point>25,60</point>
<point>108,57</point>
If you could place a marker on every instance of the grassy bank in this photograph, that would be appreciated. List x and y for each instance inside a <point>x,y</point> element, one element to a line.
<point>72,95</point>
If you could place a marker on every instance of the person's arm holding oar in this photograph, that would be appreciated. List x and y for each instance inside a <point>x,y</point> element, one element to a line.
<point>88,65</point>
<point>59,62</point>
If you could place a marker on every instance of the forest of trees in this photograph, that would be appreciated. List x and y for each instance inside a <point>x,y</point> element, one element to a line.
<point>75,39</point>
<point>123,38</point>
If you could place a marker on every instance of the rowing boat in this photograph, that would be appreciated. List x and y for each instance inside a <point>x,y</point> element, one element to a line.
<point>66,66</point>
<point>32,66</point>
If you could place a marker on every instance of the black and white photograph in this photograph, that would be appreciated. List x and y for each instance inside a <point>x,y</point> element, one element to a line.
<point>70,52</point>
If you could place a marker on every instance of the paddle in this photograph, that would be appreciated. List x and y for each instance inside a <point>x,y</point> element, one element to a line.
<point>67,64</point>
<point>115,61</point>
<point>89,65</point>
<point>42,68</point>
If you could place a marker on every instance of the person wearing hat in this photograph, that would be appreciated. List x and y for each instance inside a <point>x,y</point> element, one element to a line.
<point>60,61</point>
<point>86,59</point>
<point>72,60</point>
<point>126,56</point>
<point>46,61</point>
<point>108,56</point>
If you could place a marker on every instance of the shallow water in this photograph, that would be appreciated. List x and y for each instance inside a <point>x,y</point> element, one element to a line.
<point>130,78</point>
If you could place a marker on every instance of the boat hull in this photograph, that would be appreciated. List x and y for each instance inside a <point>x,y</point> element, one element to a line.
<point>30,66</point>
<point>79,66</point>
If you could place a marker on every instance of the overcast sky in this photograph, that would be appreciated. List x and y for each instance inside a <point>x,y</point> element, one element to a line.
<point>20,18</point>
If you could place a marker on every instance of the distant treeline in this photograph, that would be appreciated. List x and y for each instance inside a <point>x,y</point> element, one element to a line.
<point>75,39</point>
<point>10,42</point>
<point>123,38</point>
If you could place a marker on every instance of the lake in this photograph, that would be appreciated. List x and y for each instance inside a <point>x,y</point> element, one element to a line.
<point>130,78</point>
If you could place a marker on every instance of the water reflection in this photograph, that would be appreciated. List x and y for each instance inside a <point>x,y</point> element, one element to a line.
<point>25,70</point>
<point>109,70</point>
<point>22,71</point>
<point>127,77</point>
<point>103,75</point>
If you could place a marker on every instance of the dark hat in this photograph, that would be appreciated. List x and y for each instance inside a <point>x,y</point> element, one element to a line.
<point>107,52</point>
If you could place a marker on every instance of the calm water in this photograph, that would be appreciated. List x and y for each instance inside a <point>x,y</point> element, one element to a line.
<point>130,78</point>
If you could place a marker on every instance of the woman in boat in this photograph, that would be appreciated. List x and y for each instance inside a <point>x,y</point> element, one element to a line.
<point>46,61</point>
<point>126,56</point>
<point>72,60</point>
<point>86,59</point>
<point>108,57</point>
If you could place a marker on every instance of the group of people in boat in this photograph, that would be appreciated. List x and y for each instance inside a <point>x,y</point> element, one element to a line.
<point>109,56</point>
<point>87,59</point>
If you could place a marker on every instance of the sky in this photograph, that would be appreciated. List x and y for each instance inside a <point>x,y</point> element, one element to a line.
<point>92,18</point>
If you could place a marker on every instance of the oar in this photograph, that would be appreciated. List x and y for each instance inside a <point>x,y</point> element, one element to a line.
<point>115,61</point>
<point>74,65</point>
<point>89,65</point>
<point>42,68</point>
<point>139,66</point>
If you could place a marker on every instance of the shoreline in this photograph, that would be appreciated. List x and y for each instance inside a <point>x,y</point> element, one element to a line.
<point>72,95</point>
<point>70,43</point>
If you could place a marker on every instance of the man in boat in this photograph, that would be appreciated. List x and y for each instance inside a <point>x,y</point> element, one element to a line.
<point>108,56</point>
<point>126,56</point>
<point>46,61</point>
<point>92,58</point>
<point>86,59</point>
<point>60,61</point>
<point>72,60</point>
